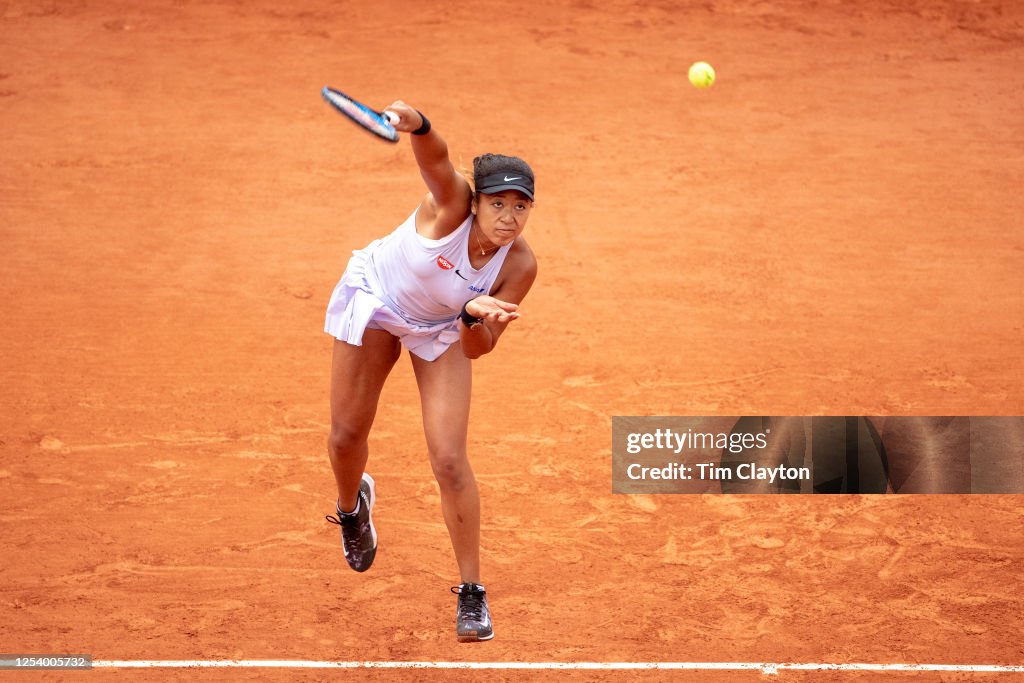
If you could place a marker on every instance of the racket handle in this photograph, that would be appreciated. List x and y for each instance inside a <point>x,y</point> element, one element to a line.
<point>392,116</point>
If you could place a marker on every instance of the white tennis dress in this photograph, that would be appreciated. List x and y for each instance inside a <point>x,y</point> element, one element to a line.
<point>410,286</point>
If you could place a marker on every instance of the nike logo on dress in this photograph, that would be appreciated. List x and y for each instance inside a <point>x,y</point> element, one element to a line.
<point>460,274</point>
<point>518,177</point>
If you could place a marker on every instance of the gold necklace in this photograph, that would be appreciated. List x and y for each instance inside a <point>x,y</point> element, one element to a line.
<point>482,252</point>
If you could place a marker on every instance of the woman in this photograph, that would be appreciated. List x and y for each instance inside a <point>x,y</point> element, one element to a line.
<point>444,284</point>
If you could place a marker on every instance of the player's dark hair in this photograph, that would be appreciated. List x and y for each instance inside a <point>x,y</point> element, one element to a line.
<point>486,164</point>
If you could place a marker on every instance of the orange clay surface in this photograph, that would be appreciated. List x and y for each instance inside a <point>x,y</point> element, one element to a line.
<point>833,228</point>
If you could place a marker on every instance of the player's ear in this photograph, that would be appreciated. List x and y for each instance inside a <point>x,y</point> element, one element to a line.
<point>473,203</point>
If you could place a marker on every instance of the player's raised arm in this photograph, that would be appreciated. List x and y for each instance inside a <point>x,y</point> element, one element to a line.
<point>450,191</point>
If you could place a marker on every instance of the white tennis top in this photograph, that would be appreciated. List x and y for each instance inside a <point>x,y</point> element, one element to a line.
<point>427,281</point>
<point>410,286</point>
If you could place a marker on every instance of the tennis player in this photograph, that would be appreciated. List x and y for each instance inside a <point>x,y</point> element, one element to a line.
<point>445,285</point>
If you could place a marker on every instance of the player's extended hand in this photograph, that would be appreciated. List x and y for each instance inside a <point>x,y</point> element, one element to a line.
<point>408,118</point>
<point>495,310</point>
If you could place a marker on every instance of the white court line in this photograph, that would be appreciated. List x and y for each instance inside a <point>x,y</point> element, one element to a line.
<point>763,667</point>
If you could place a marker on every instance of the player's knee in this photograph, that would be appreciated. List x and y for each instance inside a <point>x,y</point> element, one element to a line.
<point>451,469</point>
<point>344,438</point>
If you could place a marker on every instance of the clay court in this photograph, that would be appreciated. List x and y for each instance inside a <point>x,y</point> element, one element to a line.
<point>834,228</point>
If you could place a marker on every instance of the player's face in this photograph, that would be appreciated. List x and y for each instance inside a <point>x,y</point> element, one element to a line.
<point>502,216</point>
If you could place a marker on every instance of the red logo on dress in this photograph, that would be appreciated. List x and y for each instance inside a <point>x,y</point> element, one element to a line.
<point>444,263</point>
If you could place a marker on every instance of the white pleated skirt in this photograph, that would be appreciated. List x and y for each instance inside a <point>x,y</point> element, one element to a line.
<point>356,306</point>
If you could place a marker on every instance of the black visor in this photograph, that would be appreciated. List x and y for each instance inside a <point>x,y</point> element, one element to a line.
<point>506,180</point>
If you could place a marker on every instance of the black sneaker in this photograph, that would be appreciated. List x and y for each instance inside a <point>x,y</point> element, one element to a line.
<point>358,537</point>
<point>473,619</point>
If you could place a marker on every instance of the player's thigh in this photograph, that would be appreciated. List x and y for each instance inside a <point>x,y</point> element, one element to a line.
<point>445,386</point>
<point>357,377</point>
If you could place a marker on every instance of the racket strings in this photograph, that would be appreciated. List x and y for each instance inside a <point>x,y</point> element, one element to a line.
<point>373,121</point>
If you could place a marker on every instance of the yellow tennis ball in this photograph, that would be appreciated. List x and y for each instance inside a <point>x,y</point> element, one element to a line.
<point>702,75</point>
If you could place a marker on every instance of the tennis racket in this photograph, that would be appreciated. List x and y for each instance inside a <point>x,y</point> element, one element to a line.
<point>379,123</point>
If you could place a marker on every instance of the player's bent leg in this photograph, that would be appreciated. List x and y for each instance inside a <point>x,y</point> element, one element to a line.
<point>357,377</point>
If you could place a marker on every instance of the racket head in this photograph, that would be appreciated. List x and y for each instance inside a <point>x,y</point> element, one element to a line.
<point>375,122</point>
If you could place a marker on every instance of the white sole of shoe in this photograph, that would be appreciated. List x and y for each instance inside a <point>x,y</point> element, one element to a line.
<point>373,499</point>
